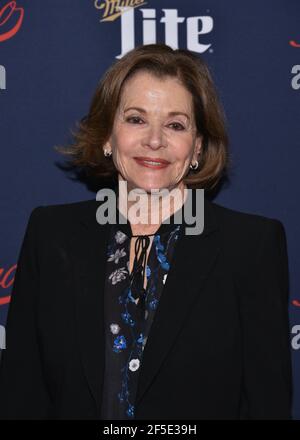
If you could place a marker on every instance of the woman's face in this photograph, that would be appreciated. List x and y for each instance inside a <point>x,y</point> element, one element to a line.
<point>154,122</point>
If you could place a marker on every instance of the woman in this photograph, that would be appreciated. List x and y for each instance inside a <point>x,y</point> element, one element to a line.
<point>140,319</point>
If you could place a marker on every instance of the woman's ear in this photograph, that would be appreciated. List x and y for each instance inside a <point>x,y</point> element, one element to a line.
<point>198,146</point>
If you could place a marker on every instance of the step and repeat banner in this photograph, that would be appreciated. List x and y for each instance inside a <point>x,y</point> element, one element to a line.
<point>52,55</point>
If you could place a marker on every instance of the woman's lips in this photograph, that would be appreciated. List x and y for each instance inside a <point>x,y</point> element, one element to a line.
<point>156,165</point>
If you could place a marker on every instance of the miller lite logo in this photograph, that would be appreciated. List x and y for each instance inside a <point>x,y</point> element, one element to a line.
<point>131,14</point>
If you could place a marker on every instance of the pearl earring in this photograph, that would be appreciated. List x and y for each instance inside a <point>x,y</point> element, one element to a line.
<point>107,153</point>
<point>195,166</point>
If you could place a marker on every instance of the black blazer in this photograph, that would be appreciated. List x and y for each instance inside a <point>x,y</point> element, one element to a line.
<point>219,345</point>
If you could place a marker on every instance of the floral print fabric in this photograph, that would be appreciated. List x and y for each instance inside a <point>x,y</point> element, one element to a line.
<point>127,323</point>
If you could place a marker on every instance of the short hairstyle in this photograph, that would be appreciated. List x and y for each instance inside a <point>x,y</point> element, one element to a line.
<point>94,129</point>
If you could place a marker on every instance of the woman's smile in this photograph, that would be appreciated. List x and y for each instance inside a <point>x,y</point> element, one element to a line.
<point>156,164</point>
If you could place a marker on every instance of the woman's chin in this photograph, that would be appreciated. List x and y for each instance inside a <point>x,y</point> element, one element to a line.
<point>152,186</point>
<point>141,183</point>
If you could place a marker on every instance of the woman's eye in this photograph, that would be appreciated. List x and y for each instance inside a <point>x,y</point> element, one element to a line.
<point>133,119</point>
<point>178,126</point>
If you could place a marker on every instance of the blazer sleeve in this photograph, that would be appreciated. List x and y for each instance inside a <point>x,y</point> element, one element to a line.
<point>267,378</point>
<point>23,393</point>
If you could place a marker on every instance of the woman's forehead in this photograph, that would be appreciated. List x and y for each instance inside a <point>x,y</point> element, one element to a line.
<point>144,89</point>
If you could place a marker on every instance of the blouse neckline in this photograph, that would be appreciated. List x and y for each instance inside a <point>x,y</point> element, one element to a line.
<point>166,226</point>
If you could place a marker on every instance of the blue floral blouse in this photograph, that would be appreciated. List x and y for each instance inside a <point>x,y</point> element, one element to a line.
<point>129,311</point>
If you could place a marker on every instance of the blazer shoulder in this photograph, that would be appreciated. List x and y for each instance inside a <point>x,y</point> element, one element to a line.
<point>250,239</point>
<point>247,234</point>
<point>59,220</point>
<point>240,220</point>
<point>65,211</point>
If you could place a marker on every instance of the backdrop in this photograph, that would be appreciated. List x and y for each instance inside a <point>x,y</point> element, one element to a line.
<point>52,55</point>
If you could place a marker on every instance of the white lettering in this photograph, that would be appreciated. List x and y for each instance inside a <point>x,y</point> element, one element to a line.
<point>149,26</point>
<point>296,79</point>
<point>2,78</point>
<point>296,339</point>
<point>171,21</point>
<point>195,26</point>
<point>2,338</point>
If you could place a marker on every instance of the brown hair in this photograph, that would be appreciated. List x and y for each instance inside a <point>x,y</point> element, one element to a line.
<point>95,128</point>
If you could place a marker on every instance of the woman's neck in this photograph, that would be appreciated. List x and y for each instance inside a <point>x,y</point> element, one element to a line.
<point>146,211</point>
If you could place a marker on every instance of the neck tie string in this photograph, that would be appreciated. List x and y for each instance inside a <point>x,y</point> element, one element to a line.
<point>139,268</point>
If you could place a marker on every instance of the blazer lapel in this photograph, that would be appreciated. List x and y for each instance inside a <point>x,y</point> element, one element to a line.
<point>193,260</point>
<point>89,250</point>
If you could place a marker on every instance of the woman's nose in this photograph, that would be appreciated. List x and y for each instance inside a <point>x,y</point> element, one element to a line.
<point>155,137</point>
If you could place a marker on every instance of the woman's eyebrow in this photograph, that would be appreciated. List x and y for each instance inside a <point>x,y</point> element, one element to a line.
<point>141,110</point>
